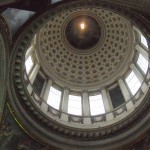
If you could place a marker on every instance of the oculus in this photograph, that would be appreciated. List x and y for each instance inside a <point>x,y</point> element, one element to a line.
<point>83,32</point>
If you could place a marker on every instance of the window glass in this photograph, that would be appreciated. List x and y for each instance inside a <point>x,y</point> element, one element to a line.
<point>142,63</point>
<point>28,64</point>
<point>116,96</point>
<point>144,41</point>
<point>74,105</point>
<point>38,84</point>
<point>54,98</point>
<point>133,82</point>
<point>96,105</point>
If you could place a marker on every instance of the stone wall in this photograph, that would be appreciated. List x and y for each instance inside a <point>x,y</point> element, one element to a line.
<point>12,136</point>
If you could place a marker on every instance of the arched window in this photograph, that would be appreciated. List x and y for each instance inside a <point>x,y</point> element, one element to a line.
<point>54,98</point>
<point>96,105</point>
<point>133,83</point>
<point>74,105</point>
<point>29,64</point>
<point>142,63</point>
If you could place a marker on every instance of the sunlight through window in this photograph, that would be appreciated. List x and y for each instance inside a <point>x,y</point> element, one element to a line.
<point>74,105</point>
<point>28,64</point>
<point>54,98</point>
<point>96,105</point>
<point>142,63</point>
<point>133,83</point>
<point>144,41</point>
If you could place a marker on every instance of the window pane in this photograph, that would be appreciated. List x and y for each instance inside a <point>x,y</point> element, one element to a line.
<point>28,64</point>
<point>144,41</point>
<point>143,63</point>
<point>74,105</point>
<point>54,98</point>
<point>116,96</point>
<point>133,82</point>
<point>96,105</point>
<point>38,84</point>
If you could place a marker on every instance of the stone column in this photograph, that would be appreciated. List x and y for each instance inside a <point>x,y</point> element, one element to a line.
<point>34,73</point>
<point>47,90</point>
<point>107,104</point>
<point>142,51</point>
<point>64,105</point>
<point>136,29</point>
<point>86,107</point>
<point>45,95</point>
<point>29,51</point>
<point>126,94</point>
<point>29,88</point>
<point>34,41</point>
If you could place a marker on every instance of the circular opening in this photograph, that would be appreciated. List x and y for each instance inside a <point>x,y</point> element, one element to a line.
<point>83,32</point>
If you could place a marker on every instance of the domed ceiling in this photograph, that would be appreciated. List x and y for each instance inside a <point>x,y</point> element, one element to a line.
<point>81,46</point>
<point>85,46</point>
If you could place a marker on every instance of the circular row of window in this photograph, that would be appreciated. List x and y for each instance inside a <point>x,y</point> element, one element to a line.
<point>97,102</point>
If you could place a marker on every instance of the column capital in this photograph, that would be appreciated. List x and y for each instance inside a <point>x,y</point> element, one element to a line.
<point>85,91</point>
<point>66,89</point>
<point>102,87</point>
<point>120,78</point>
<point>49,80</point>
